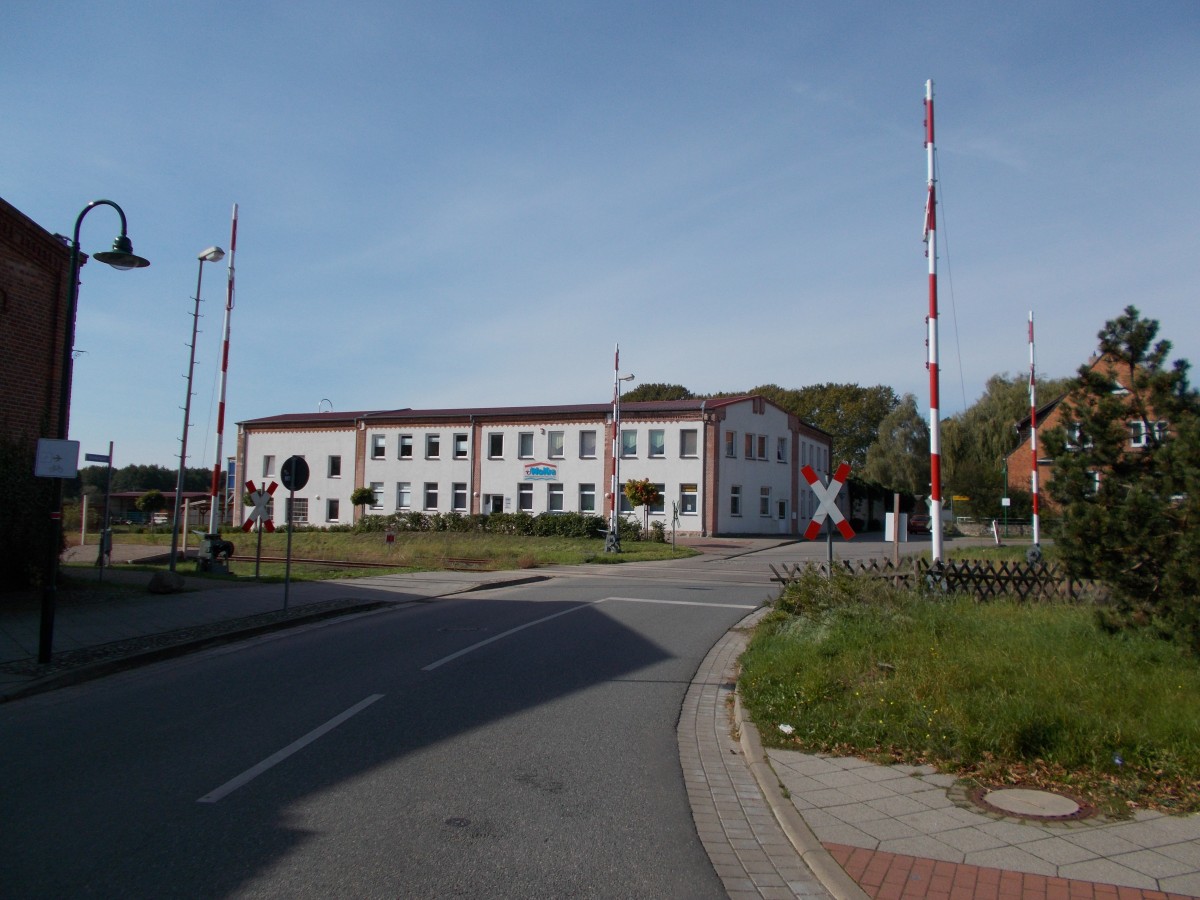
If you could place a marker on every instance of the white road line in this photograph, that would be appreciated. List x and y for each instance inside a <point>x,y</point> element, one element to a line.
<point>465,650</point>
<point>250,774</point>
<point>496,637</point>
<point>687,603</point>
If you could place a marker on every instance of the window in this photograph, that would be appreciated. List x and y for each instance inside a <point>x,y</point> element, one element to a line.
<point>333,510</point>
<point>433,446</point>
<point>335,467</point>
<point>404,495</point>
<point>587,497</point>
<point>525,496</point>
<point>1076,438</point>
<point>764,501</point>
<point>781,450</point>
<point>496,445</point>
<point>658,442</point>
<point>525,445</point>
<point>749,454</point>
<point>459,493</point>
<point>299,510</point>
<point>1140,436</point>
<point>735,500</point>
<point>268,467</point>
<point>406,447</point>
<point>377,495</point>
<point>554,497</point>
<point>431,495</point>
<point>687,499</point>
<point>687,442</point>
<point>378,446</point>
<point>587,444</point>
<point>762,446</point>
<point>731,444</point>
<point>629,442</point>
<point>460,446</point>
<point>782,510</point>
<point>626,506</point>
<point>659,506</point>
<point>554,445</point>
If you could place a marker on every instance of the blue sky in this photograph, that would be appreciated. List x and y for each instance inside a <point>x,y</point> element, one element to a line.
<point>468,203</point>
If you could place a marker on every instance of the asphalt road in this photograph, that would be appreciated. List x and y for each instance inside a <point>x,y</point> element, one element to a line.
<point>515,743</point>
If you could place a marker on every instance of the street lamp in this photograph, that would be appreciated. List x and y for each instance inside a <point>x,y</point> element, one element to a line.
<point>122,257</point>
<point>212,254</point>
<point>612,543</point>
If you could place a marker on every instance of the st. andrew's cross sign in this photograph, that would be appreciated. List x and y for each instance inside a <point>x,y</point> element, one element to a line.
<point>826,495</point>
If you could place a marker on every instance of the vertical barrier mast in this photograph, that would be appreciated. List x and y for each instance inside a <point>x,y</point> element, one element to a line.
<point>214,520</point>
<point>1033,447</point>
<point>935,454</point>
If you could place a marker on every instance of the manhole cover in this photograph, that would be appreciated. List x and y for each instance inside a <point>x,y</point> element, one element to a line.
<point>1025,803</point>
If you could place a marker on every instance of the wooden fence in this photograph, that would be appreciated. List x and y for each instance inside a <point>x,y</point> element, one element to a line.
<point>984,579</point>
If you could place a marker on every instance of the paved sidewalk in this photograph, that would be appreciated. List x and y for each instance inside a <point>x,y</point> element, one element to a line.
<point>892,832</point>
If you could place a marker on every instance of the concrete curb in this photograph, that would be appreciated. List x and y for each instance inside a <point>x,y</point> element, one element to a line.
<point>819,861</point>
<point>91,672</point>
<point>815,856</point>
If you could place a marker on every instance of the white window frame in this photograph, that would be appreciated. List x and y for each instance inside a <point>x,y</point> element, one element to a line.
<point>525,445</point>
<point>586,438</point>
<point>430,493</point>
<point>458,496</point>
<point>333,509</point>
<point>735,500</point>
<point>731,445</point>
<point>404,447</point>
<point>378,446</point>
<point>628,443</point>
<point>556,444</point>
<point>525,497</point>
<point>658,451</point>
<point>688,497</point>
<point>689,436</point>
<point>555,499</point>
<point>587,497</point>
<point>377,492</point>
<point>403,491</point>
<point>433,445</point>
<point>494,438</point>
<point>764,501</point>
<point>461,445</point>
<point>268,467</point>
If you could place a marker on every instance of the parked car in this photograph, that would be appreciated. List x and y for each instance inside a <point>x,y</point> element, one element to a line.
<point>918,524</point>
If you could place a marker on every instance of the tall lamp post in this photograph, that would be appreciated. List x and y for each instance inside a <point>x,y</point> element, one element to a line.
<point>121,257</point>
<point>613,543</point>
<point>212,254</point>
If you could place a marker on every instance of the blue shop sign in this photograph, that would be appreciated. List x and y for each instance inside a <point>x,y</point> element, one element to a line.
<point>541,472</point>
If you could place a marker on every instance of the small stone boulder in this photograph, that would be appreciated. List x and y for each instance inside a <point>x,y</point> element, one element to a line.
<point>166,583</point>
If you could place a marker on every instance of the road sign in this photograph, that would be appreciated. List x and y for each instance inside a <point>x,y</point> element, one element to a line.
<point>826,494</point>
<point>294,473</point>
<point>56,459</point>
<point>259,513</point>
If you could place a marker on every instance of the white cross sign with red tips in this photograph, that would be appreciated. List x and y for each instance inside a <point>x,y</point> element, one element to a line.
<point>826,495</point>
<point>260,499</point>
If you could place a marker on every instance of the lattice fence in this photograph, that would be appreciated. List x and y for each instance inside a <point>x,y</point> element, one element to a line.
<point>984,579</point>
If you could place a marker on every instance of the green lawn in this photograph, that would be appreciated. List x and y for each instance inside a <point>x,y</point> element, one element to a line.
<point>414,551</point>
<point>999,692</point>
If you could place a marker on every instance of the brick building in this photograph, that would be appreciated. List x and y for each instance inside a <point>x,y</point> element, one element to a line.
<point>34,275</point>
<point>34,271</point>
<point>1051,416</point>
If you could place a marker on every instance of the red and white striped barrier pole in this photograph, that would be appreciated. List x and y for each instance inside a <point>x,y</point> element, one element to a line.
<point>1033,447</point>
<point>215,492</point>
<point>935,450</point>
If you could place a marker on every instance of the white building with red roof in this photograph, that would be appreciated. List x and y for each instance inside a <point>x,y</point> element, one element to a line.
<point>729,465</point>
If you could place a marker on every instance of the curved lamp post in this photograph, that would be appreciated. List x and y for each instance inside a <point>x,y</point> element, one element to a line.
<point>122,257</point>
<point>212,254</point>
